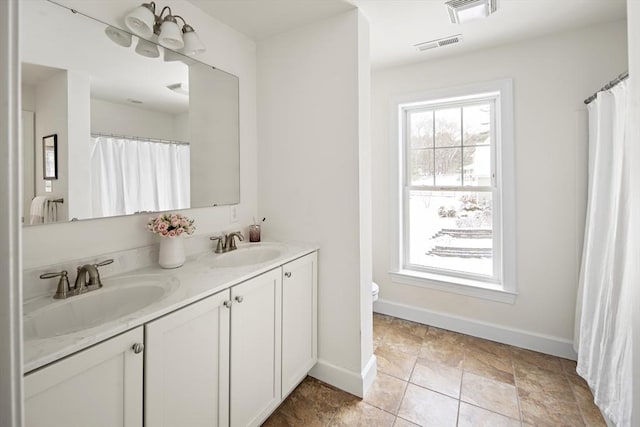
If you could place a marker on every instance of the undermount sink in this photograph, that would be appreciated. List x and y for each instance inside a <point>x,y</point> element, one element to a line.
<point>117,298</point>
<point>251,254</point>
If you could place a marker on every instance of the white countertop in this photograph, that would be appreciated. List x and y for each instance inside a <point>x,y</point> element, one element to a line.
<point>191,282</point>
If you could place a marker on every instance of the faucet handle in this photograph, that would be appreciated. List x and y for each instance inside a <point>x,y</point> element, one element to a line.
<point>96,280</point>
<point>219,246</point>
<point>63,283</point>
<point>103,263</point>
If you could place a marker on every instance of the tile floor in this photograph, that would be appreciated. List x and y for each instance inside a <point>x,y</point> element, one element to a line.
<point>432,377</point>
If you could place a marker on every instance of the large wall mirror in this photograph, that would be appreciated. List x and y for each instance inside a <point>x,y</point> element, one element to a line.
<point>139,128</point>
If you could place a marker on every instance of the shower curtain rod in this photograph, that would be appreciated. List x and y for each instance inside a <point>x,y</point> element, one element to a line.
<point>608,86</point>
<point>140,138</point>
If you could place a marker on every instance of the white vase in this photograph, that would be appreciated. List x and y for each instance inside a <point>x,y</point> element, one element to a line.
<point>171,252</point>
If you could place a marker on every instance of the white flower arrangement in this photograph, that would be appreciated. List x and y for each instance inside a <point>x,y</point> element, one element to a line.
<point>171,225</point>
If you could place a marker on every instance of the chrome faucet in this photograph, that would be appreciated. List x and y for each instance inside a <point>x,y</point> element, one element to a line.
<point>227,242</point>
<point>230,242</point>
<point>81,286</point>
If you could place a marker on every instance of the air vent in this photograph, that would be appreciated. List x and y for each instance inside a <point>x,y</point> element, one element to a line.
<point>432,44</point>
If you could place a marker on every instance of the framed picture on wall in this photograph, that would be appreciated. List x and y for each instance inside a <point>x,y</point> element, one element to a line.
<point>50,157</point>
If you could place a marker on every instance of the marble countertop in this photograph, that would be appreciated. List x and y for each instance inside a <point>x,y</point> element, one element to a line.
<point>193,281</point>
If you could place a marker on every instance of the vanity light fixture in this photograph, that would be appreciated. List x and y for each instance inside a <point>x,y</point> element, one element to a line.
<point>144,22</point>
<point>146,48</point>
<point>461,11</point>
<point>118,36</point>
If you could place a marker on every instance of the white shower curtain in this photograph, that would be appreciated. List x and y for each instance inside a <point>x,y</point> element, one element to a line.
<point>604,309</point>
<point>129,176</point>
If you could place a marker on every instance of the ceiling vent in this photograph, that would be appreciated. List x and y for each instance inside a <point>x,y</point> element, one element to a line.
<point>461,11</point>
<point>432,44</point>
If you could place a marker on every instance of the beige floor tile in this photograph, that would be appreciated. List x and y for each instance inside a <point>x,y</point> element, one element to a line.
<point>316,389</point>
<point>402,341</point>
<point>401,422</point>
<point>497,349</point>
<point>306,411</point>
<point>441,378</point>
<point>488,365</point>
<point>541,410</point>
<point>428,408</point>
<point>386,393</point>
<point>473,416</point>
<point>361,414</point>
<point>395,363</point>
<point>279,419</point>
<point>532,379</point>
<point>443,349</point>
<point>544,361</point>
<point>408,327</point>
<point>582,393</point>
<point>381,319</point>
<point>490,394</point>
<point>569,366</point>
<point>314,403</point>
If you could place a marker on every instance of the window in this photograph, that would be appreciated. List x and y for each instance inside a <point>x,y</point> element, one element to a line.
<point>455,190</point>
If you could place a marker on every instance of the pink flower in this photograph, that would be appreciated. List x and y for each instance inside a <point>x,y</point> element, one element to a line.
<point>164,233</point>
<point>172,233</point>
<point>162,226</point>
<point>179,231</point>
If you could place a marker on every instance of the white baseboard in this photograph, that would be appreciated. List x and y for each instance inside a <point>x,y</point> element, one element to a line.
<point>516,337</point>
<point>349,381</point>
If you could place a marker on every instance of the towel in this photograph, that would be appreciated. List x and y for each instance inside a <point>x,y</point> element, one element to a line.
<point>38,210</point>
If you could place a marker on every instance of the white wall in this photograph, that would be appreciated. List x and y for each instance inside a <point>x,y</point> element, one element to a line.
<point>310,174</point>
<point>79,149</point>
<point>119,119</point>
<point>226,49</point>
<point>633,25</point>
<point>552,76</point>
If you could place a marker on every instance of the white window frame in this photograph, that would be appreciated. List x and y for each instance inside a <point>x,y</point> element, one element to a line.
<point>502,287</point>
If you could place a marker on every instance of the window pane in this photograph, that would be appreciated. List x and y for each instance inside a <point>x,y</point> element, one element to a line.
<point>477,124</point>
<point>477,166</point>
<point>421,125</point>
<point>448,127</point>
<point>448,166</point>
<point>451,230</point>
<point>421,167</point>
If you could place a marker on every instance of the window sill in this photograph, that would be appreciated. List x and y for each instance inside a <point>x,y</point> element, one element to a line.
<point>473,288</point>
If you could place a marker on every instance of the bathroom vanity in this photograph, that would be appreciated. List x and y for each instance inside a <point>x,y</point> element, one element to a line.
<point>220,346</point>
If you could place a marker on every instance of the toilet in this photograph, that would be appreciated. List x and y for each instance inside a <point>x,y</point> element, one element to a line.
<point>375,289</point>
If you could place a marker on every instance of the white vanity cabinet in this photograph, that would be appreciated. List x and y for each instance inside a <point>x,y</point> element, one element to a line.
<point>255,348</point>
<point>187,366</point>
<point>99,387</point>
<point>299,320</point>
<point>228,359</point>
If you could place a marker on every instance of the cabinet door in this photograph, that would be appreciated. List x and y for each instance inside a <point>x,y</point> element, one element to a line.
<point>99,386</point>
<point>299,320</point>
<point>255,349</point>
<point>187,366</point>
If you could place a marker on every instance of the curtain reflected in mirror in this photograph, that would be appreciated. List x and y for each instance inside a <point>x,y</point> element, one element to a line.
<point>130,175</point>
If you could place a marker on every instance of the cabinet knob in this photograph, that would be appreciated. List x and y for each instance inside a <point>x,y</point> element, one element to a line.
<point>287,274</point>
<point>137,348</point>
<point>227,304</point>
<point>239,298</point>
